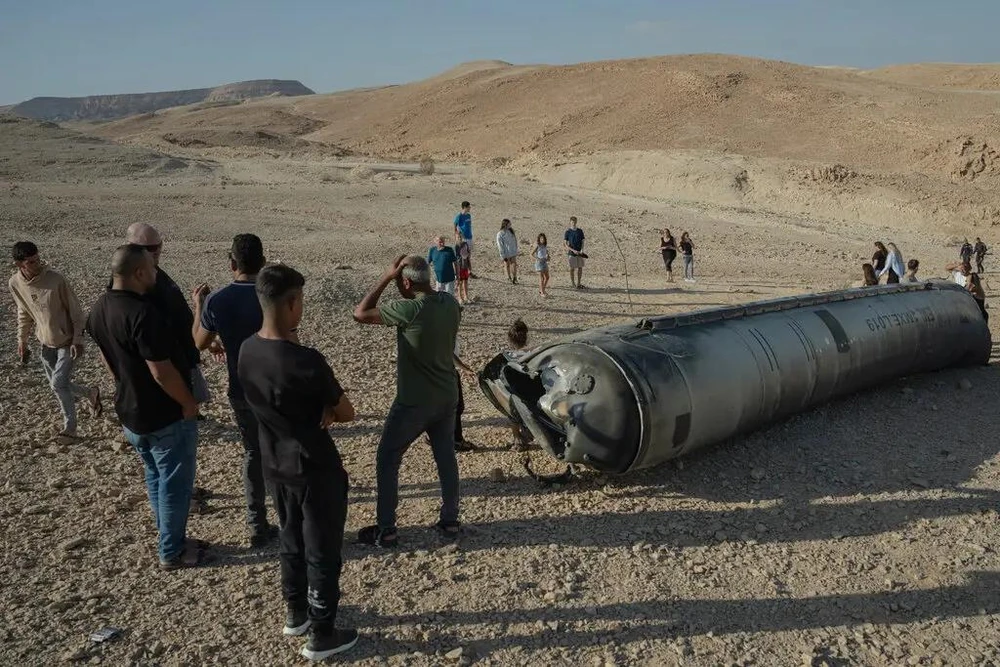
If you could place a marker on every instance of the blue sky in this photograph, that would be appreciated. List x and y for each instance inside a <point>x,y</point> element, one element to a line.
<point>70,47</point>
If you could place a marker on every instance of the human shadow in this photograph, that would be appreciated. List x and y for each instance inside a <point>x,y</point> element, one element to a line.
<point>656,619</point>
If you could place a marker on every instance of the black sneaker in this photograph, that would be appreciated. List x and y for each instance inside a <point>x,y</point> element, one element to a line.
<point>378,537</point>
<point>297,621</point>
<point>261,537</point>
<point>321,645</point>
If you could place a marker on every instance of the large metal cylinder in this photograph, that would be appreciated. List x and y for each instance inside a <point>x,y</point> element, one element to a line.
<point>626,397</point>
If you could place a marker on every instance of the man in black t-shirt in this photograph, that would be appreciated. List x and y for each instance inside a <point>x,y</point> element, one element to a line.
<point>153,398</point>
<point>295,397</point>
<point>168,297</point>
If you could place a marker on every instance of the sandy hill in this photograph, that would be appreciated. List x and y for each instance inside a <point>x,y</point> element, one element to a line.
<point>32,150</point>
<point>943,75</point>
<point>725,129</point>
<point>103,107</point>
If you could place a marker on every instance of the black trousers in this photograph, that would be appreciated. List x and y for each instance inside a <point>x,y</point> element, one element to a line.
<point>459,410</point>
<point>312,517</point>
<point>254,487</point>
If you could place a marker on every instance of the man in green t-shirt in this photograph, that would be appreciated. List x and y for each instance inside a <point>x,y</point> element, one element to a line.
<point>426,393</point>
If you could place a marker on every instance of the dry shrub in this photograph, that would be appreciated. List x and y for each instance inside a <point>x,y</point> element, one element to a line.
<point>426,165</point>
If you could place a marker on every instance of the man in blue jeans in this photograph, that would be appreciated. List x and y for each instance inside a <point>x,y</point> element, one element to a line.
<point>426,324</point>
<point>153,398</point>
<point>233,314</point>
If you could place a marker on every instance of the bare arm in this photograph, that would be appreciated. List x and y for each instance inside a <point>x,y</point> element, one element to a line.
<point>461,364</point>
<point>107,365</point>
<point>367,311</point>
<point>169,379</point>
<point>202,338</point>
<point>342,412</point>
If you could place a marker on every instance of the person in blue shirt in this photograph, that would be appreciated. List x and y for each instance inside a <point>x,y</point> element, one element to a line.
<point>463,231</point>
<point>233,314</point>
<point>442,258</point>
<point>574,248</point>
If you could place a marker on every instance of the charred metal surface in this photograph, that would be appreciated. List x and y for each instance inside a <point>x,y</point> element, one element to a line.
<point>631,396</point>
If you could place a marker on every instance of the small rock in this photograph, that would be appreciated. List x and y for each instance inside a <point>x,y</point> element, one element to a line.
<point>758,474</point>
<point>455,654</point>
<point>75,543</point>
<point>921,482</point>
<point>496,475</point>
<point>35,509</point>
<point>347,267</point>
<point>965,384</point>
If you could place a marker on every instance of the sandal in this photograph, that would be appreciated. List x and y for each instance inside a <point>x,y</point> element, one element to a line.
<point>378,537</point>
<point>450,529</point>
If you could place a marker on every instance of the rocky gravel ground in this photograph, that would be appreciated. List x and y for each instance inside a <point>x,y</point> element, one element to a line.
<point>864,532</point>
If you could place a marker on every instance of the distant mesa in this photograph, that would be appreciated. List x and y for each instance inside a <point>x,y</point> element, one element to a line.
<point>107,107</point>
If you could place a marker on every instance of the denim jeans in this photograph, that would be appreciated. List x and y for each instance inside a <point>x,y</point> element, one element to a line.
<point>689,266</point>
<point>403,425</point>
<point>57,362</point>
<point>169,456</point>
<point>254,486</point>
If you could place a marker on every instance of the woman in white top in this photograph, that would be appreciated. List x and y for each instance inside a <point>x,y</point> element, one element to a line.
<point>894,266</point>
<point>507,245</point>
<point>540,251</point>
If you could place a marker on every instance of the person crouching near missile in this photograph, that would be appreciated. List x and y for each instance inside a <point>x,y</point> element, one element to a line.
<point>911,271</point>
<point>295,397</point>
<point>517,337</point>
<point>868,271</point>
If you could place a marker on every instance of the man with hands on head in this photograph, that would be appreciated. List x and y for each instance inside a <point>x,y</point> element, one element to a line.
<point>426,324</point>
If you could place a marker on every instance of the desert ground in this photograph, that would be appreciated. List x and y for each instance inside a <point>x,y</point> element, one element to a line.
<point>862,532</point>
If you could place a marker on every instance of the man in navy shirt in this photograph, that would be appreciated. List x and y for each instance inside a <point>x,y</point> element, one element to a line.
<point>574,248</point>
<point>233,314</point>
<point>442,258</point>
<point>463,231</point>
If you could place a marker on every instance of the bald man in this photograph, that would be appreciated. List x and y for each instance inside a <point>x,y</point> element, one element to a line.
<point>173,306</point>
<point>153,397</point>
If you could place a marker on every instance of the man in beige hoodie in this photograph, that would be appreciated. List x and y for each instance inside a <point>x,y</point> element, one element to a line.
<point>46,301</point>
